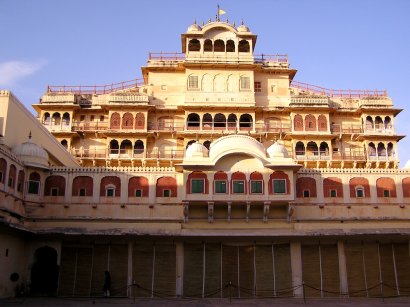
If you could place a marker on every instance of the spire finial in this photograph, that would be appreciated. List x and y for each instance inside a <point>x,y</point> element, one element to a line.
<point>227,20</point>
<point>234,24</point>
<point>195,22</point>
<point>242,22</point>
<point>203,23</point>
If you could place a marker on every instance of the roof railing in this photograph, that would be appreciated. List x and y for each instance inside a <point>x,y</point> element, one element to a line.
<point>95,89</point>
<point>318,90</point>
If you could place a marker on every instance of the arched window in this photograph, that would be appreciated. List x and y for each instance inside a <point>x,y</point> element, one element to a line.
<point>306,187</point>
<point>324,149</point>
<point>138,147</point>
<point>166,187</point>
<point>256,185</point>
<point>220,183</point>
<point>64,143</point>
<point>20,181</point>
<point>115,121</point>
<point>207,122</point>
<point>127,121</point>
<point>386,187</point>
<point>245,122</point>
<point>310,123</point>
<point>359,187</point>
<point>197,183</point>
<point>387,123</point>
<point>3,170</point>
<point>298,122</point>
<point>138,187</point>
<point>238,183</point>
<point>56,119</point>
<point>193,121</point>
<point>208,46</point>
<point>279,183</point>
<point>139,121</point>
<point>220,121</point>
<point>371,150</point>
<point>34,183</point>
<point>219,46</point>
<point>66,119</point>
<point>110,186</point>
<point>194,45</point>
<point>369,123</point>
<point>406,187</point>
<point>311,149</point>
<point>322,123</point>
<point>126,148</point>
<point>190,143</point>
<point>54,186</point>
<point>12,177</point>
<point>390,150</point>
<point>207,144</point>
<point>232,119</point>
<point>381,151</point>
<point>300,149</point>
<point>82,186</point>
<point>332,187</point>
<point>244,46</point>
<point>46,119</point>
<point>114,147</point>
<point>230,46</point>
<point>378,123</point>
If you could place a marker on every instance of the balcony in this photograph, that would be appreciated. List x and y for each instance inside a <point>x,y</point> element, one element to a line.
<point>127,154</point>
<point>345,129</point>
<point>90,126</point>
<point>57,127</point>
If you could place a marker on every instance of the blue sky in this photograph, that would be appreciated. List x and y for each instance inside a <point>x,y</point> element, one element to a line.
<point>349,44</point>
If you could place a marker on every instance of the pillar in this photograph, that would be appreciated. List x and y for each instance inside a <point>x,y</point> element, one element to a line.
<point>179,248</point>
<point>129,272</point>
<point>296,265</point>
<point>344,289</point>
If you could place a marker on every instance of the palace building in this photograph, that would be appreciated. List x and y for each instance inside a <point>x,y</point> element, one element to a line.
<point>215,174</point>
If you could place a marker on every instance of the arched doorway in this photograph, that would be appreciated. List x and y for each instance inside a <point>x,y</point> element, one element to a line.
<point>44,272</point>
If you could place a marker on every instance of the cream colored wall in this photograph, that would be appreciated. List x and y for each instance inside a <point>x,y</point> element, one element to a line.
<point>12,260</point>
<point>275,90</point>
<point>15,133</point>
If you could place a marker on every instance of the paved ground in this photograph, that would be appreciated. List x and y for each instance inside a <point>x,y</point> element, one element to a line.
<point>57,302</point>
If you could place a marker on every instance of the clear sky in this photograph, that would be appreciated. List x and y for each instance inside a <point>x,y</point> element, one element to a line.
<point>349,44</point>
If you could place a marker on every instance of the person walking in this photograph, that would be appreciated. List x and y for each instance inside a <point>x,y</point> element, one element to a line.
<point>107,284</point>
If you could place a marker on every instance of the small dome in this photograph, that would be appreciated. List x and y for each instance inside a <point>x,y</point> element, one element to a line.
<point>277,150</point>
<point>196,150</point>
<point>243,28</point>
<point>407,165</point>
<point>194,27</point>
<point>31,154</point>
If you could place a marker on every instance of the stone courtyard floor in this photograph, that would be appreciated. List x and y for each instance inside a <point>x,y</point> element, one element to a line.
<point>105,302</point>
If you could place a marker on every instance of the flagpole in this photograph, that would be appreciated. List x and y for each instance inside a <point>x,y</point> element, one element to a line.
<point>217,13</point>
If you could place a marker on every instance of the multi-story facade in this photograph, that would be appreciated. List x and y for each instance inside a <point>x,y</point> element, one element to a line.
<point>215,168</point>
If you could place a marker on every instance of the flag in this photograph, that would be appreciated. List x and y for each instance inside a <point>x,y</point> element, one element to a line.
<point>221,12</point>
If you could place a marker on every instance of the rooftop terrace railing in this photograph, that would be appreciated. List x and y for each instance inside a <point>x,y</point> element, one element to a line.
<point>95,89</point>
<point>318,90</point>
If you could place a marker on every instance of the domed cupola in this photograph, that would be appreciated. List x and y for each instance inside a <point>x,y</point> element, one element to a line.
<point>277,150</point>
<point>31,154</point>
<point>242,28</point>
<point>196,150</point>
<point>194,28</point>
